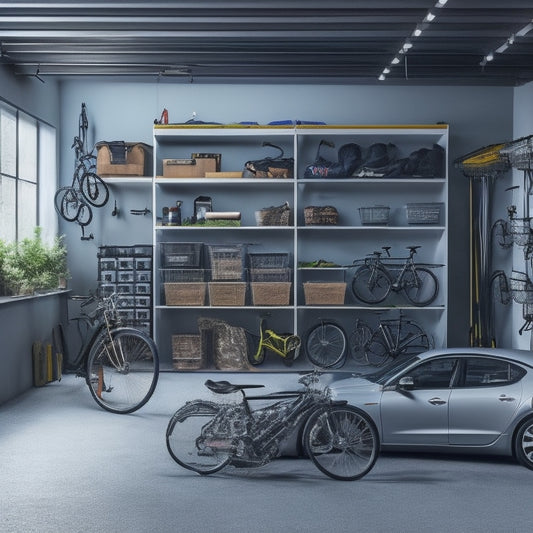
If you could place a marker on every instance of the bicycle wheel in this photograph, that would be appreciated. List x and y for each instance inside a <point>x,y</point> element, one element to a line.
<point>85,215</point>
<point>501,233</point>
<point>325,345</point>
<point>188,439</point>
<point>413,339</point>
<point>94,189</point>
<point>420,286</point>
<point>359,339</point>
<point>67,203</point>
<point>122,374</point>
<point>377,352</point>
<point>342,441</point>
<point>371,285</point>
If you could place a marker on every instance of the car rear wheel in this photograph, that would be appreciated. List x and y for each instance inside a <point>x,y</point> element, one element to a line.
<point>523,443</point>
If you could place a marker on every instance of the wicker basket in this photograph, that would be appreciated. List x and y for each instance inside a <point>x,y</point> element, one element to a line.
<point>274,216</point>
<point>377,215</point>
<point>321,216</point>
<point>271,293</point>
<point>185,293</point>
<point>187,352</point>
<point>227,293</point>
<point>423,213</point>
<point>322,293</point>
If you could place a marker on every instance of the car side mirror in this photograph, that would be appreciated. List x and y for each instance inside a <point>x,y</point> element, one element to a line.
<point>406,383</point>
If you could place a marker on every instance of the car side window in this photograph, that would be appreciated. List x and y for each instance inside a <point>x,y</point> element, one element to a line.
<point>436,374</point>
<point>485,372</point>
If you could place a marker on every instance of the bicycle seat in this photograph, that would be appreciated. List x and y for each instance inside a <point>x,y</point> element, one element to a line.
<point>225,387</point>
<point>413,248</point>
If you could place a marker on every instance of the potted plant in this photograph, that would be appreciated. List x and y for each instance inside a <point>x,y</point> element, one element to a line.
<point>32,265</point>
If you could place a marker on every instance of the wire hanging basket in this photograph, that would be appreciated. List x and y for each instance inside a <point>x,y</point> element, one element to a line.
<point>520,153</point>
<point>521,288</point>
<point>484,162</point>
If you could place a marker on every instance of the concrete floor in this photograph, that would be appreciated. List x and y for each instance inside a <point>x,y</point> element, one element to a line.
<point>68,466</point>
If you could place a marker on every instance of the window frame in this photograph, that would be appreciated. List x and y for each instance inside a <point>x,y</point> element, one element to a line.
<point>44,169</point>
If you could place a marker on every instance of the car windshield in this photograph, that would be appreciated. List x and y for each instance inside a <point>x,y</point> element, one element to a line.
<point>382,375</point>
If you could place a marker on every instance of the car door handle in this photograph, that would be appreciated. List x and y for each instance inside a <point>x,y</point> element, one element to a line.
<point>504,398</point>
<point>436,401</point>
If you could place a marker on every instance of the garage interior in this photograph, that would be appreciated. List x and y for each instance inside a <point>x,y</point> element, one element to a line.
<point>465,63</point>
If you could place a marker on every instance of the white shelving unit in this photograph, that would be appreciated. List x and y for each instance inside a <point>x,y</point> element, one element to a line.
<point>341,243</point>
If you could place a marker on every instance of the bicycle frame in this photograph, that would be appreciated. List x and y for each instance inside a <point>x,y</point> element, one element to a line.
<point>100,325</point>
<point>254,437</point>
<point>393,342</point>
<point>281,345</point>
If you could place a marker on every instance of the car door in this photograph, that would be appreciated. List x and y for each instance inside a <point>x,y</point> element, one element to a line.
<point>418,415</point>
<point>484,400</point>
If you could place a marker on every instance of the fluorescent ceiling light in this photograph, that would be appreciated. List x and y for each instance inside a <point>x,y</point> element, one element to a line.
<point>430,16</point>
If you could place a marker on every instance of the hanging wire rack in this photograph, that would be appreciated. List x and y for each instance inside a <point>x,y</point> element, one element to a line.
<point>484,163</point>
<point>519,153</point>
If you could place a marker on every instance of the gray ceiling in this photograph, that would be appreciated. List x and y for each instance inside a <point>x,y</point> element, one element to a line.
<point>326,41</point>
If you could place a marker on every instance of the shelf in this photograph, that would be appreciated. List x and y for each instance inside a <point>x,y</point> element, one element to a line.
<point>129,180</point>
<point>221,181</point>
<point>340,244</point>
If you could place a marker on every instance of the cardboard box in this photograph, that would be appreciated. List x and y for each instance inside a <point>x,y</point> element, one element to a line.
<point>188,168</point>
<point>124,159</point>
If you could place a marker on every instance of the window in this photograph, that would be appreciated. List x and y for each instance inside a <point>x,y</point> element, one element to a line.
<point>28,175</point>
<point>436,374</point>
<point>481,372</point>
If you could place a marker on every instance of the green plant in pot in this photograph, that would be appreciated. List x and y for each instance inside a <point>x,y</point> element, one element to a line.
<point>32,265</point>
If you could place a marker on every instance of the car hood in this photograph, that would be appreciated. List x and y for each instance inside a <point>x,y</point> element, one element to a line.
<point>354,386</point>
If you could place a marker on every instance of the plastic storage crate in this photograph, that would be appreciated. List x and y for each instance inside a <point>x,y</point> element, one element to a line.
<point>429,213</point>
<point>377,215</point>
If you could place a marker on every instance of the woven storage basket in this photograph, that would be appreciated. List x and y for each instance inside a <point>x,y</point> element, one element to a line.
<point>322,293</point>
<point>271,293</point>
<point>274,216</point>
<point>321,216</point>
<point>227,293</point>
<point>187,352</point>
<point>185,293</point>
<point>423,213</point>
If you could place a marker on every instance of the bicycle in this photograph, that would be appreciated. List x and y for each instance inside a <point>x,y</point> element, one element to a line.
<point>286,345</point>
<point>87,189</point>
<point>326,344</point>
<point>392,338</point>
<point>373,281</point>
<point>205,436</point>
<point>120,364</point>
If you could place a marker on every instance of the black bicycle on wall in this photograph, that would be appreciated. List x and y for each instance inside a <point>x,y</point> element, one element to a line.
<point>120,364</point>
<point>378,275</point>
<point>74,202</point>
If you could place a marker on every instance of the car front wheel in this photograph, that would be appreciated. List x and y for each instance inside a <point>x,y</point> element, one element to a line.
<point>523,443</point>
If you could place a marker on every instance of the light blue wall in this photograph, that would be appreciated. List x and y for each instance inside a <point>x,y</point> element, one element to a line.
<point>522,127</point>
<point>25,321</point>
<point>126,111</point>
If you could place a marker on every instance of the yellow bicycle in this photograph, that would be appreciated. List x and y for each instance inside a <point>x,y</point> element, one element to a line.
<point>286,345</point>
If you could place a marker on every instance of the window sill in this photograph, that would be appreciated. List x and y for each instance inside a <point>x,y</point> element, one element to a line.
<point>10,299</point>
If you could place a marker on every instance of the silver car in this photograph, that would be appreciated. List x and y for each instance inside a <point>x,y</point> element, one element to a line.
<point>468,400</point>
